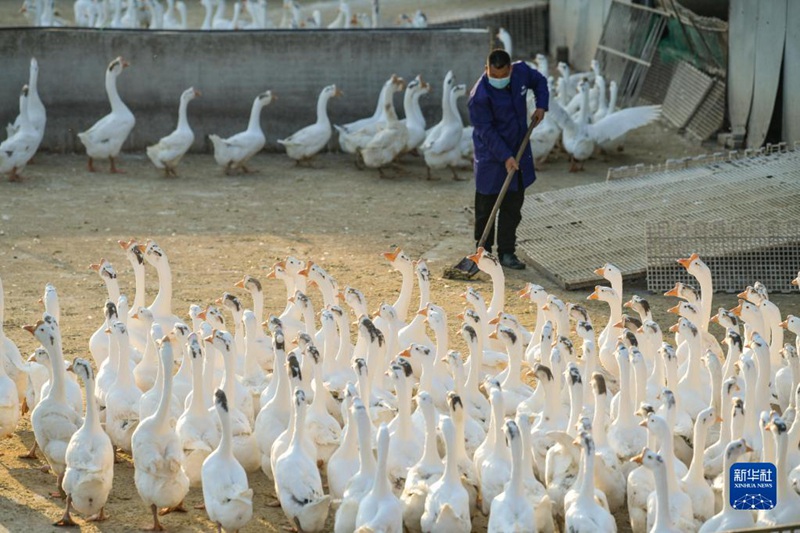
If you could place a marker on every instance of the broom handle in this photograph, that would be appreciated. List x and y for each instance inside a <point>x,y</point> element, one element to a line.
<point>502,194</point>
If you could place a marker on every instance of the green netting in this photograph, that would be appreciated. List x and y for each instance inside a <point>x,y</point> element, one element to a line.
<point>705,49</point>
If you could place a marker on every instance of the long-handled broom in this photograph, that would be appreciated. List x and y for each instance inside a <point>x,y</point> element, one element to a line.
<point>466,268</point>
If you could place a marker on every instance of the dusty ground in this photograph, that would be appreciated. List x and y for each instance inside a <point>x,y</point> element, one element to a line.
<point>215,229</point>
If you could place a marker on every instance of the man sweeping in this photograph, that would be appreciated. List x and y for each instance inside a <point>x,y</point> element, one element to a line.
<point>498,112</point>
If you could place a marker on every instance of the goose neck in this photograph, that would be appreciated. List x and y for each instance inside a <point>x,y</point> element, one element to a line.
<point>451,476</point>
<point>498,293</point>
<point>229,379</point>
<point>403,301</point>
<point>113,95</point>
<point>695,363</point>
<point>258,305</point>
<point>459,446</point>
<point>404,409</point>
<point>366,459</point>
<point>514,366</point>
<point>586,494</point>
<point>162,420</point>
<point>162,305</point>
<point>696,468</point>
<point>412,108</point>
<point>139,295</point>
<point>226,435</point>
<point>322,109</point>
<point>58,390</point>
<point>197,407</point>
<point>92,413</point>
<point>475,365</point>
<point>112,286</point>
<point>517,469</point>
<point>299,430</point>
<point>380,486</point>
<point>599,421</point>
<point>662,518</point>
<point>183,121</point>
<point>668,453</point>
<point>255,116</point>
<point>210,371</point>
<point>625,410</point>
<point>783,478</point>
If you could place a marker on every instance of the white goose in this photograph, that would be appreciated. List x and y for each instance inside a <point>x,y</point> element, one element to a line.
<point>694,483</point>
<point>227,496</point>
<point>442,147</point>
<point>586,515</point>
<point>234,152</point>
<point>380,509</point>
<point>169,150</point>
<point>297,479</point>
<point>37,115</point>
<point>9,404</point>
<point>122,400</point>
<point>357,134</point>
<point>104,139</point>
<point>198,430</point>
<point>415,121</point>
<point>89,458</point>
<point>344,463</point>
<point>157,452</point>
<point>787,507</point>
<point>18,149</point>
<point>425,472</point>
<point>307,142</point>
<point>54,420</point>
<point>447,505</point>
<point>361,482</point>
<point>510,510</point>
<point>730,519</point>
<point>388,143</point>
<point>662,523</point>
<point>492,458</point>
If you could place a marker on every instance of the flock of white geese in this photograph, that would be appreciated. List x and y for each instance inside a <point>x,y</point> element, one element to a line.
<point>411,435</point>
<point>245,15</point>
<point>377,141</point>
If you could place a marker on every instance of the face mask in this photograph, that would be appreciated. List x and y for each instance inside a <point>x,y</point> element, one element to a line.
<point>499,83</point>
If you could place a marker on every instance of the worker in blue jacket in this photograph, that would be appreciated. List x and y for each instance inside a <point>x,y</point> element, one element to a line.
<point>499,113</point>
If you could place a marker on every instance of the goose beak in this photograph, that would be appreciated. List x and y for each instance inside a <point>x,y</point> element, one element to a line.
<point>210,338</point>
<point>271,274</point>
<point>197,93</point>
<point>719,420</point>
<point>620,324</point>
<point>715,319</point>
<point>290,299</point>
<point>476,257</point>
<point>123,244</point>
<point>406,352</point>
<point>785,324</point>
<point>41,300</point>
<point>95,267</point>
<point>748,448</point>
<point>674,328</point>
<point>637,458</point>
<point>796,281</point>
<point>643,423</point>
<point>493,335</point>
<point>523,293</point>
<point>742,295</point>
<point>239,284</point>
<point>546,307</point>
<point>628,304</point>
<point>495,320</point>
<point>201,315</point>
<point>738,309</point>
<point>674,310</point>
<point>600,271</point>
<point>125,64</point>
<point>141,247</point>
<point>390,256</point>
<point>640,329</point>
<point>30,329</point>
<point>460,315</point>
<point>594,296</point>
<point>463,295</point>
<point>337,93</point>
<point>685,262</point>
<point>672,292</point>
<point>218,301</point>
<point>423,311</point>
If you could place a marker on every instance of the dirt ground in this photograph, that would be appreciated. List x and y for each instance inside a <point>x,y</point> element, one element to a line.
<point>216,228</point>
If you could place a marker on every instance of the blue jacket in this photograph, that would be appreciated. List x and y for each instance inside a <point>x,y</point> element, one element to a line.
<point>500,119</point>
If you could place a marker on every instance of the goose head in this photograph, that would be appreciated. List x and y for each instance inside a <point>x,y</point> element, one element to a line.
<point>564,345</point>
<point>792,323</point>
<point>399,260</point>
<point>116,66</point>
<point>458,91</point>
<point>753,295</point>
<point>294,370</point>
<point>231,302</point>
<point>250,283</point>
<point>543,373</point>
<point>278,272</point>
<point>507,335</point>
<point>83,369</point>
<point>145,315</point>
<point>266,98</point>
<point>105,270</point>
<point>578,313</point>
<point>387,312</point>
<point>181,332</point>
<point>508,320</point>
<point>650,330</point>
<point>796,280</point>
<point>435,317</point>
<point>747,311</point>
<point>454,362</point>
<point>398,83</point>
<point>733,340</point>
<point>474,298</point>
<point>707,418</point>
<point>695,266</point>
<point>423,274</point>
<point>152,253</point>
<point>418,86</point>
<point>110,311</point>
<point>686,310</point>
<point>367,329</point>
<point>789,353</point>
<point>300,299</point>
<point>190,94</point>
<point>486,261</point>
<point>628,322</point>
<point>605,294</point>
<point>471,317</point>
<point>758,344</point>
<point>360,367</point>
<point>649,459</point>
<point>195,351</point>
<point>687,292</point>
<point>469,335</point>
<point>534,293</point>
<point>302,340</point>
<point>599,384</point>
<point>610,272</point>
<point>356,300</point>
<point>639,305</point>
<point>584,330</point>
<point>214,317</point>
<point>736,449</point>
<point>563,69</point>
<point>726,319</point>
<point>685,327</point>
<point>419,352</point>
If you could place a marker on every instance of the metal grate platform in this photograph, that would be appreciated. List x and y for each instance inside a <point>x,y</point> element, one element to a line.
<point>710,115</point>
<point>686,92</point>
<point>570,232</point>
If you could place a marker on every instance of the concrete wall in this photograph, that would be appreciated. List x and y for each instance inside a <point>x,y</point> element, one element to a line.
<point>230,68</point>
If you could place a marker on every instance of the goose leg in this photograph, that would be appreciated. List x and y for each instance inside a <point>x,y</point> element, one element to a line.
<point>31,453</point>
<point>99,517</point>
<point>247,170</point>
<point>456,177</point>
<point>60,494</point>
<point>14,176</point>
<point>66,520</point>
<point>156,525</point>
<point>114,169</point>
<point>200,506</point>
<point>573,167</point>
<point>177,509</point>
<point>91,165</point>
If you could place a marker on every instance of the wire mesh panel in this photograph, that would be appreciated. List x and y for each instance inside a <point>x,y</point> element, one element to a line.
<point>686,92</point>
<point>570,232</point>
<point>657,80</point>
<point>738,252</point>
<point>709,117</point>
<point>626,49</point>
<point>528,27</point>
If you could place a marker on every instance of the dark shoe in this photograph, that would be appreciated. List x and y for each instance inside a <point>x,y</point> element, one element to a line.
<point>511,261</point>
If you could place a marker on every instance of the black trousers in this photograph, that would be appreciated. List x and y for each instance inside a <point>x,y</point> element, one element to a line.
<point>508,218</point>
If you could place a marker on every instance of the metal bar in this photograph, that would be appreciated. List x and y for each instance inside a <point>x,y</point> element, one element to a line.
<point>643,8</point>
<point>623,55</point>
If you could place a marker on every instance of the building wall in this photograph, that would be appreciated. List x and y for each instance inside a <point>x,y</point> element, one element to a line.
<point>230,68</point>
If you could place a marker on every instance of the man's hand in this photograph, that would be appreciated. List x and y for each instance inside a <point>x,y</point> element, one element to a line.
<point>537,116</point>
<point>511,164</point>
